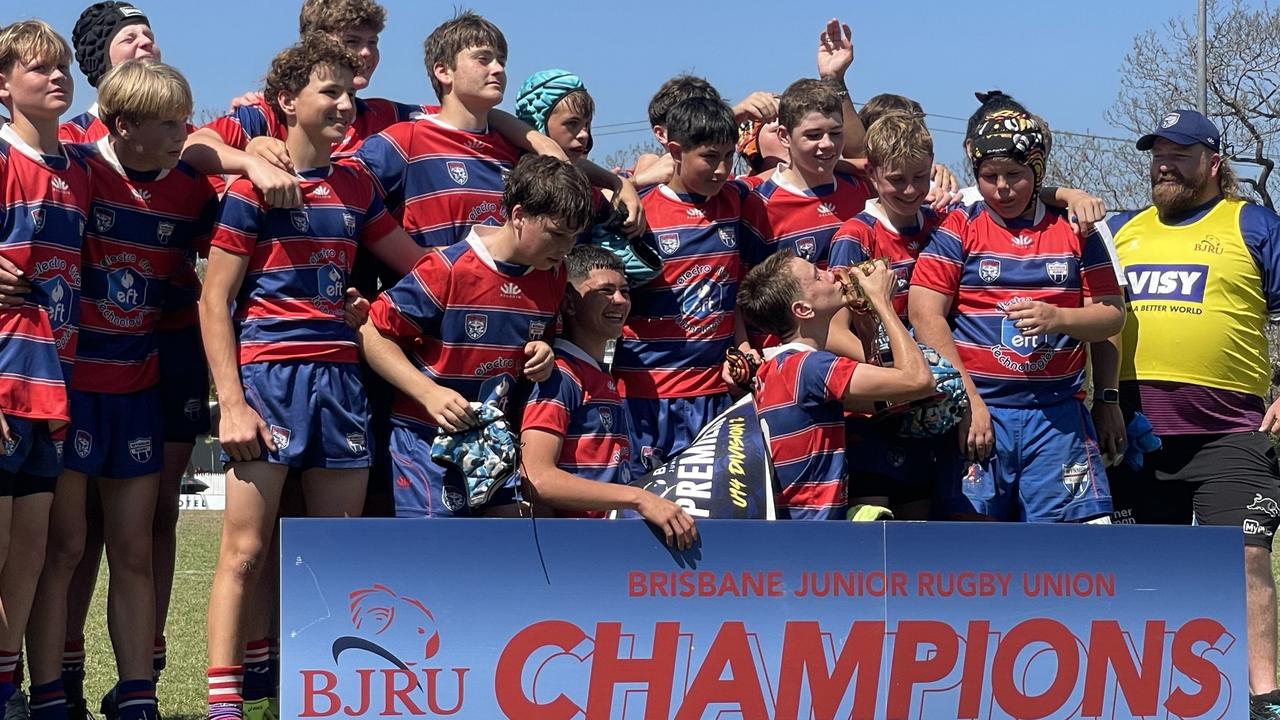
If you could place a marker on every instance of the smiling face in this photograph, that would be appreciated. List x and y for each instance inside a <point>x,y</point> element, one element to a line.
<point>703,169</point>
<point>902,186</point>
<point>1182,176</point>
<point>39,88</point>
<point>363,41</point>
<point>815,143</point>
<point>598,304</point>
<point>1007,186</point>
<point>131,43</point>
<point>325,108</point>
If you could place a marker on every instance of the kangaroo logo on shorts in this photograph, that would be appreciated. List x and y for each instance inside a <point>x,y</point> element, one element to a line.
<point>191,409</point>
<point>476,324</point>
<point>125,288</point>
<point>164,232</point>
<point>37,217</point>
<point>84,443</point>
<point>1266,505</point>
<point>606,418</point>
<point>355,441</point>
<point>349,223</point>
<point>103,219</point>
<point>140,449</point>
<point>458,171</point>
<point>300,221</point>
<point>280,436</point>
<point>11,445</point>
<point>330,280</point>
<point>1075,478</point>
<point>669,242</point>
<point>453,499</point>
<point>1057,271</point>
<point>989,270</point>
<point>807,247</point>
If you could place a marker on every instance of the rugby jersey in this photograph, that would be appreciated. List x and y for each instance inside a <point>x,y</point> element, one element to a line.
<point>800,400</point>
<point>373,115</point>
<point>44,201</point>
<point>291,302</point>
<point>870,234</point>
<point>985,264</point>
<point>580,403</point>
<point>682,321</point>
<point>777,215</point>
<point>83,128</point>
<point>141,228</point>
<point>437,180</point>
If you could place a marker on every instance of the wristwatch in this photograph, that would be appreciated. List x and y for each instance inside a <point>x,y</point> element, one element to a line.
<point>1110,396</point>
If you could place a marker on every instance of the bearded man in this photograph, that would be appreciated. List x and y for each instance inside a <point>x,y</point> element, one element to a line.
<point>1203,272</point>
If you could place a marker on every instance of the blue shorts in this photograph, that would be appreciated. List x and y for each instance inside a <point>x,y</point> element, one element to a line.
<point>317,412</point>
<point>31,461</point>
<point>115,436</point>
<point>1046,467</point>
<point>426,488</point>
<point>662,429</point>
<point>184,385</point>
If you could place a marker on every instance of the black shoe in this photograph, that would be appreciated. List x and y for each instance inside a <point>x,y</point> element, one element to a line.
<point>78,709</point>
<point>1265,706</point>
<point>108,706</point>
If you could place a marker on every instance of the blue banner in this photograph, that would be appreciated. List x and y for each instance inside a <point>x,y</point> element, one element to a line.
<point>564,619</point>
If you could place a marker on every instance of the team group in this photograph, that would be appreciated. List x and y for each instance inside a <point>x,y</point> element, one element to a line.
<point>399,295</point>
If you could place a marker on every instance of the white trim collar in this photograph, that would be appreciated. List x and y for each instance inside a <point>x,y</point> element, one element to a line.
<point>1036,220</point>
<point>11,136</point>
<point>568,348</point>
<point>773,352</point>
<point>874,209</point>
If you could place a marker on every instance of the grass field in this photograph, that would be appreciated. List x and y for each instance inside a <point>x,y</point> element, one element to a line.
<point>182,687</point>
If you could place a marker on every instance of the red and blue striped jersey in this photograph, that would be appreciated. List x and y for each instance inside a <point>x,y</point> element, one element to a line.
<point>682,321</point>
<point>437,180</point>
<point>799,399</point>
<point>870,235</point>
<point>777,215</point>
<point>463,319</point>
<point>373,115</point>
<point>141,228</point>
<point>83,128</point>
<point>985,264</point>
<point>580,403</point>
<point>44,201</point>
<point>291,302</point>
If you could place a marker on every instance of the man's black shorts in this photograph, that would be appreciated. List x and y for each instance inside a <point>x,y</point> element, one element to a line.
<point>1220,479</point>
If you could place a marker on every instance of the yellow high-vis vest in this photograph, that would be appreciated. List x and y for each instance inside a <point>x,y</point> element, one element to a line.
<point>1196,304</point>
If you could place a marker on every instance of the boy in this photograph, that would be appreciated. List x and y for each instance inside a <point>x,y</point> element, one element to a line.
<point>286,365</point>
<point>148,210</point>
<point>1023,293</point>
<point>804,389</point>
<point>44,189</point>
<point>467,322</point>
<point>106,33</point>
<point>574,432</point>
<point>804,201</point>
<point>683,321</point>
<point>556,103</point>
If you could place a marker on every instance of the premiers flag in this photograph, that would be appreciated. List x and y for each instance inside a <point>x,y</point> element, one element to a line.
<point>725,473</point>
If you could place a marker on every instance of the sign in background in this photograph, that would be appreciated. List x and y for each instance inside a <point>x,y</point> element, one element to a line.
<point>597,619</point>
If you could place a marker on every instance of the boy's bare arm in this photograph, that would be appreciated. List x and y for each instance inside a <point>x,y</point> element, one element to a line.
<point>928,311</point>
<point>523,135</point>
<point>206,152</point>
<point>447,407</point>
<point>835,56</point>
<point>909,378</point>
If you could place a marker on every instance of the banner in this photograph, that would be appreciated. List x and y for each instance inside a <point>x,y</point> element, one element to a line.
<point>561,619</point>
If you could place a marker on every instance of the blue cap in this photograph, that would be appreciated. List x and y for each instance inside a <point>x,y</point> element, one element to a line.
<point>540,93</point>
<point>1185,127</point>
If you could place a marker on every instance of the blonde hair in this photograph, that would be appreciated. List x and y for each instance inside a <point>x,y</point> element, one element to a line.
<point>1228,185</point>
<point>143,89</point>
<point>896,138</point>
<point>28,40</point>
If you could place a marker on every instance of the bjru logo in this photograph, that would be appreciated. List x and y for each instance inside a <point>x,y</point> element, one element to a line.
<point>393,638</point>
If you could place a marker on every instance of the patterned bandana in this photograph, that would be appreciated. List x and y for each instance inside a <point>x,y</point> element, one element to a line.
<point>1010,134</point>
<point>749,138</point>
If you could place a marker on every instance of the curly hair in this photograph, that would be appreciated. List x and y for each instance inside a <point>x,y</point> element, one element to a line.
<point>291,69</point>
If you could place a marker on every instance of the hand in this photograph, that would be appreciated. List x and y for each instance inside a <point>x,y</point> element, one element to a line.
<point>13,286</point>
<point>675,524</point>
<point>271,150</point>
<point>356,309</point>
<point>5,437</point>
<point>940,199</point>
<point>448,409</point>
<point>943,179</point>
<point>1034,317</point>
<point>240,429</point>
<point>877,281</point>
<point>977,439</point>
<point>1271,421</point>
<point>541,360</point>
<point>628,198</point>
<point>1109,423</point>
<point>1084,211</point>
<point>658,171</point>
<point>253,97</point>
<point>835,50</point>
<point>279,189</point>
<point>761,106</point>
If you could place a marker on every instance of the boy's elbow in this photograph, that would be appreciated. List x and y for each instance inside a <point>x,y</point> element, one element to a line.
<point>924,384</point>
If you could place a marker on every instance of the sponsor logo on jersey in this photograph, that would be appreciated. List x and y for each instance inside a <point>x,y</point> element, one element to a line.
<point>1012,339</point>
<point>700,301</point>
<point>1210,244</point>
<point>349,223</point>
<point>1075,478</point>
<point>60,295</point>
<point>141,195</point>
<point>729,237</point>
<point>37,217</point>
<point>355,441</point>
<point>140,449</point>
<point>126,288</point>
<point>1167,282</point>
<point>488,366</point>
<point>458,171</point>
<point>510,289</point>
<point>694,213</point>
<point>479,211</point>
<point>164,232</point>
<point>989,270</point>
<point>476,324</point>
<point>825,208</point>
<point>300,221</point>
<point>669,242</point>
<point>103,219</point>
<point>807,247</point>
<point>537,328</point>
<point>331,283</point>
<point>1022,241</point>
<point>1057,270</point>
<point>84,443</point>
<point>280,436</point>
<point>321,191</point>
<point>59,184</point>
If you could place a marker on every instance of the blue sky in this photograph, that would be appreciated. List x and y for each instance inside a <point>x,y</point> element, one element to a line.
<point>935,52</point>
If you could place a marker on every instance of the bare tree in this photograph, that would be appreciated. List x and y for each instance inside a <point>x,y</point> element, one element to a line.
<point>626,157</point>
<point>1159,74</point>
